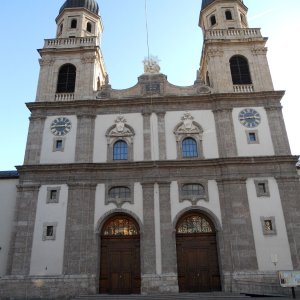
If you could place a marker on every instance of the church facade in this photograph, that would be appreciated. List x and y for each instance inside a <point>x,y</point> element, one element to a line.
<point>156,188</point>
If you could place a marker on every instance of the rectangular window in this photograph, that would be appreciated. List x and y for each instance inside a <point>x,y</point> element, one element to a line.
<point>49,231</point>
<point>53,194</point>
<point>252,137</point>
<point>262,188</point>
<point>58,144</point>
<point>268,225</point>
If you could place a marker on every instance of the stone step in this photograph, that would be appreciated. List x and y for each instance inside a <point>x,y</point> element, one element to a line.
<point>181,296</point>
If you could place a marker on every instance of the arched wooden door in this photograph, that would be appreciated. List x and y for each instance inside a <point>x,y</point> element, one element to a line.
<point>197,258</point>
<point>120,256</point>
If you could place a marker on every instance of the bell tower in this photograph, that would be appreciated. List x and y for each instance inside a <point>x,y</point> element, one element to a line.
<point>234,55</point>
<point>72,65</point>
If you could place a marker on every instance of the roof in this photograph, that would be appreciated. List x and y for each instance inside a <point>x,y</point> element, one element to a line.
<point>90,5</point>
<point>206,3</point>
<point>9,174</point>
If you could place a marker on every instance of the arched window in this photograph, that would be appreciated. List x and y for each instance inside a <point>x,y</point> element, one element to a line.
<point>189,148</point>
<point>120,151</point>
<point>61,26</point>
<point>119,192</point>
<point>89,27</point>
<point>239,68</point>
<point>194,223</point>
<point>66,79</point>
<point>228,15</point>
<point>74,23</point>
<point>120,226</point>
<point>213,20</point>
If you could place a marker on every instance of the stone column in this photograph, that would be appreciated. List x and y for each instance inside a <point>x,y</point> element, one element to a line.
<point>22,235</point>
<point>278,131</point>
<point>289,189</point>
<point>161,135</point>
<point>34,140</point>
<point>225,132</point>
<point>147,135</point>
<point>85,138</point>
<point>148,250</point>
<point>238,251</point>
<point>168,241</point>
<point>81,250</point>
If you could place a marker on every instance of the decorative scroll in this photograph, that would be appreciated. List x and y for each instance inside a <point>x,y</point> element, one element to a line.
<point>120,226</point>
<point>194,224</point>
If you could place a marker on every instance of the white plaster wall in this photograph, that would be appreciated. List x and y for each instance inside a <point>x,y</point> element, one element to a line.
<point>206,119</point>
<point>8,194</point>
<point>265,145</point>
<point>101,208</point>
<point>47,256</point>
<point>268,245</point>
<point>213,204</point>
<point>48,156</point>
<point>103,122</point>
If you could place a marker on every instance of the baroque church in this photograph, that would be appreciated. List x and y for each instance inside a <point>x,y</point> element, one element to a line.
<point>156,188</point>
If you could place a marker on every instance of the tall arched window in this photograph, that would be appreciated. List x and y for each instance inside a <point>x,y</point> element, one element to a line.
<point>228,15</point>
<point>89,27</point>
<point>240,72</point>
<point>213,20</point>
<point>189,148</point>
<point>74,23</point>
<point>120,151</point>
<point>66,79</point>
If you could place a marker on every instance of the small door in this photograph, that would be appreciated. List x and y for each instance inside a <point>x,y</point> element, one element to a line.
<point>197,259</point>
<point>120,257</point>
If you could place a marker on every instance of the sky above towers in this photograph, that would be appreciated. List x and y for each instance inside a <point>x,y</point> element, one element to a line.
<point>174,37</point>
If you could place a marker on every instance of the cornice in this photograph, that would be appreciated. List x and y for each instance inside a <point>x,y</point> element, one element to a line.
<point>167,102</point>
<point>162,164</point>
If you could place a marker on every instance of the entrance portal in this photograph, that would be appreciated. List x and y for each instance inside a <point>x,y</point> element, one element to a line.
<point>197,258</point>
<point>120,256</point>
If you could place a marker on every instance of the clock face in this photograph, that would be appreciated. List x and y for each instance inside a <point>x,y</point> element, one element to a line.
<point>61,126</point>
<point>249,117</point>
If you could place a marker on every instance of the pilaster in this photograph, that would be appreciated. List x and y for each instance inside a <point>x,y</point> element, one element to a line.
<point>225,132</point>
<point>85,138</point>
<point>161,135</point>
<point>238,253</point>
<point>34,140</point>
<point>147,135</point>
<point>22,235</point>
<point>289,189</point>
<point>81,251</point>
<point>278,130</point>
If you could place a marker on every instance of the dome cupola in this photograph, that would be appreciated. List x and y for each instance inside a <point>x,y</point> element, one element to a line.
<point>206,3</point>
<point>90,5</point>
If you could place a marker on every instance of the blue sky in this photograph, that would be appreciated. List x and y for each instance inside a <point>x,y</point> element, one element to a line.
<point>174,37</point>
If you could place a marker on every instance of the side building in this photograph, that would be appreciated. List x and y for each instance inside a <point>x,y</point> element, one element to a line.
<point>156,188</point>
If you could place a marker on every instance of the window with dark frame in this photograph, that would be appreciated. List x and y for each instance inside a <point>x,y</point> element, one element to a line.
<point>66,79</point>
<point>239,68</point>
<point>192,189</point>
<point>53,194</point>
<point>58,144</point>
<point>252,137</point>
<point>268,226</point>
<point>74,23</point>
<point>50,231</point>
<point>228,15</point>
<point>262,187</point>
<point>89,27</point>
<point>189,148</point>
<point>213,20</point>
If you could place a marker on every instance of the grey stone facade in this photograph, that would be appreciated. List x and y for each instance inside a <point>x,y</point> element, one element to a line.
<point>152,98</point>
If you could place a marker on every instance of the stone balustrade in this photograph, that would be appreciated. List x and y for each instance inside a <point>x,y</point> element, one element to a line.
<point>236,33</point>
<point>243,88</point>
<point>64,97</point>
<point>71,42</point>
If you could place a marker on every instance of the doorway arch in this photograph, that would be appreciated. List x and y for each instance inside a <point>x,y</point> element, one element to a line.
<point>120,270</point>
<point>197,255</point>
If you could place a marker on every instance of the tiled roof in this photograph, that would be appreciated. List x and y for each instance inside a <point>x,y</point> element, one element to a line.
<point>9,174</point>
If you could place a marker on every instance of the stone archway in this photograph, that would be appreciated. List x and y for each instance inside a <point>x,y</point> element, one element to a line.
<point>197,255</point>
<point>120,270</point>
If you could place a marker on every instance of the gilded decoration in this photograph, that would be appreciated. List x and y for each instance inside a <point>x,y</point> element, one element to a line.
<point>194,224</point>
<point>120,226</point>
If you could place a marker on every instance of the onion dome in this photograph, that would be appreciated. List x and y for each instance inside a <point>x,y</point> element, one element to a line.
<point>90,5</point>
<point>206,3</point>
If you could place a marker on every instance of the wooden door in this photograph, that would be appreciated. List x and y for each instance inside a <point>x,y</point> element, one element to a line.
<point>197,260</point>
<point>120,264</point>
